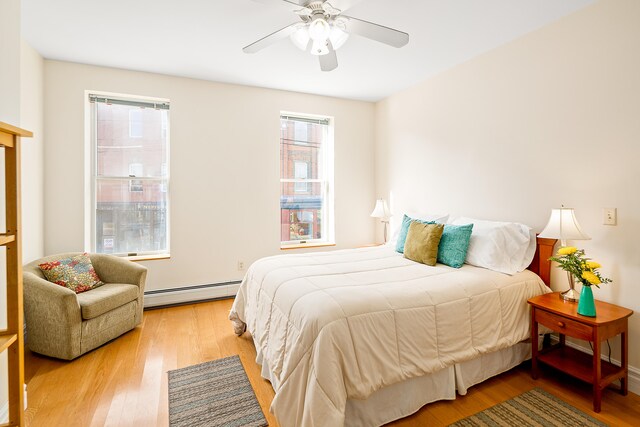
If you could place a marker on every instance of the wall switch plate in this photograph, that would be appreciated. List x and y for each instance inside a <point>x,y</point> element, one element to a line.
<point>609,216</point>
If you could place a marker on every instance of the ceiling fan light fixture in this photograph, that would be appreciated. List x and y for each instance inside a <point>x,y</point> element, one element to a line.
<point>319,48</point>
<point>300,37</point>
<point>338,35</point>
<point>324,29</point>
<point>319,30</point>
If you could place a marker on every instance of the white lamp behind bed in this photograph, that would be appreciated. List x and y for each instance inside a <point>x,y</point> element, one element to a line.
<point>382,211</point>
<point>563,225</point>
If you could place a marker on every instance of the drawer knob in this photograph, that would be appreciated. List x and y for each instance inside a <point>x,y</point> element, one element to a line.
<point>561,324</point>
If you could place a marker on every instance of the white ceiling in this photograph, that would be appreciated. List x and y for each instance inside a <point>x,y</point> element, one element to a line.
<point>203,39</point>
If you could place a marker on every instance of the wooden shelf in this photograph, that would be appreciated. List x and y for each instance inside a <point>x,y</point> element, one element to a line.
<point>6,239</point>
<point>11,339</point>
<point>6,140</point>
<point>6,340</point>
<point>579,364</point>
<point>14,130</point>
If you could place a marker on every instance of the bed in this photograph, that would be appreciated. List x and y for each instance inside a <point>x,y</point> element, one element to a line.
<point>365,336</point>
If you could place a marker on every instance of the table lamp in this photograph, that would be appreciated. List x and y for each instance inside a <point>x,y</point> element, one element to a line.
<point>563,225</point>
<point>382,211</point>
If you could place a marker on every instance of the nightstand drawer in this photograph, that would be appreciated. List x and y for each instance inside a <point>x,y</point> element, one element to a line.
<point>565,326</point>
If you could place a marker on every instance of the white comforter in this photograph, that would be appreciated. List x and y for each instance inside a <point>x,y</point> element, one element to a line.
<point>343,324</point>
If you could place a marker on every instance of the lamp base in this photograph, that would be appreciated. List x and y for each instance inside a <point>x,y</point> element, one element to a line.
<point>570,295</point>
<point>386,223</point>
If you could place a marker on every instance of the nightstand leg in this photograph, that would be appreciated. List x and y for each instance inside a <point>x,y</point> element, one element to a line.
<point>534,345</point>
<point>597,373</point>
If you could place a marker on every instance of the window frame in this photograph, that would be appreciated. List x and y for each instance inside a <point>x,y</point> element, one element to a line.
<point>91,174</point>
<point>326,182</point>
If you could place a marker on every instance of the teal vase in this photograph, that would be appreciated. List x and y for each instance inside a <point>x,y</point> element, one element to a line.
<point>586,305</point>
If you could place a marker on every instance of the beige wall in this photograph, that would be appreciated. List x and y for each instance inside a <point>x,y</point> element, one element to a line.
<point>9,113</point>
<point>9,110</point>
<point>551,118</point>
<point>21,75</point>
<point>31,117</point>
<point>224,168</point>
<point>28,107</point>
<point>10,63</point>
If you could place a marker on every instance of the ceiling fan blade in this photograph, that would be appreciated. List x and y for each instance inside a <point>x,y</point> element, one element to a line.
<point>292,5</point>
<point>343,4</point>
<point>270,39</point>
<point>305,11</point>
<point>376,32</point>
<point>329,9</point>
<point>329,61</point>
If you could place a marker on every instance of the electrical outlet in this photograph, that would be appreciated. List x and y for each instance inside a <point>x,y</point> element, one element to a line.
<point>240,265</point>
<point>609,216</point>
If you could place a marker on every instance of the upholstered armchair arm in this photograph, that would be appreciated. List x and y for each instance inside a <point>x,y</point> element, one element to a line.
<point>53,317</point>
<point>112,269</point>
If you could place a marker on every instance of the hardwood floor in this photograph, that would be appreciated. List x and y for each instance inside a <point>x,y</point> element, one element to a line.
<point>124,383</point>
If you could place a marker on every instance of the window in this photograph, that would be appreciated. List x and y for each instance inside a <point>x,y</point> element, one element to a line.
<point>135,123</point>
<point>306,180</point>
<point>301,130</point>
<point>128,210</point>
<point>135,169</point>
<point>301,173</point>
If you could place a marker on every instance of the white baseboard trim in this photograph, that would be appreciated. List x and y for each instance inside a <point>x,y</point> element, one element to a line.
<point>188,294</point>
<point>4,409</point>
<point>4,413</point>
<point>634,373</point>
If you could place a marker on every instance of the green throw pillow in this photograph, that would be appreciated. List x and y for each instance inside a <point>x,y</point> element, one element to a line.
<point>454,244</point>
<point>404,229</point>
<point>422,241</point>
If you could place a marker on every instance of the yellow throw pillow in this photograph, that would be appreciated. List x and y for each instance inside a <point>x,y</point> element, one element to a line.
<point>422,242</point>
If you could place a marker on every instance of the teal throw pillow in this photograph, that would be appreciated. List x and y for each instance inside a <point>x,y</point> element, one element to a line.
<point>404,229</point>
<point>454,244</point>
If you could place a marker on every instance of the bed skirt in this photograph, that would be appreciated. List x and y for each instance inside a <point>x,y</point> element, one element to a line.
<point>405,398</point>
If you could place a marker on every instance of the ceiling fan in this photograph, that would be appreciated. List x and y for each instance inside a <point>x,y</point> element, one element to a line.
<point>323,30</point>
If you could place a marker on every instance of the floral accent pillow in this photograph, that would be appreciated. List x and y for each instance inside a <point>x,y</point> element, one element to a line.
<point>76,273</point>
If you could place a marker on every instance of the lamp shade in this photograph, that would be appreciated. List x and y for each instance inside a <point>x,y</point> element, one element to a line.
<point>338,34</point>
<point>319,30</point>
<point>563,225</point>
<point>381,210</point>
<point>300,37</point>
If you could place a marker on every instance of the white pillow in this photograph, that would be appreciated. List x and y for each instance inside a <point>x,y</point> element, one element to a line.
<point>440,218</point>
<point>507,247</point>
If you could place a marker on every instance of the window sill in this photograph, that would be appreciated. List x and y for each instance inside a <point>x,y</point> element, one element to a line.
<point>306,245</point>
<point>148,257</point>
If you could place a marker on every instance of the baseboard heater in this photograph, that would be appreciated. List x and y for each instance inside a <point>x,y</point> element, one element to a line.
<point>190,294</point>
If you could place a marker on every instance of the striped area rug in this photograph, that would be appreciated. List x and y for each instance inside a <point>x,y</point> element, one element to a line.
<point>212,394</point>
<point>535,408</point>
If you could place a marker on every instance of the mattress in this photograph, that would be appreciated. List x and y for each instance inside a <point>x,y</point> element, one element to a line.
<point>342,325</point>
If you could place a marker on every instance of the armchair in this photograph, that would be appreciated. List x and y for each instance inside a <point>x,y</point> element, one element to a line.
<point>65,325</point>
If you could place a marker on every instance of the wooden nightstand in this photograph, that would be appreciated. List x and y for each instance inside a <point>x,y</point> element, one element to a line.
<point>561,316</point>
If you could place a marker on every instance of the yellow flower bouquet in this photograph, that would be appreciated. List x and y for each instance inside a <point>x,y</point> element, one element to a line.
<point>573,261</point>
